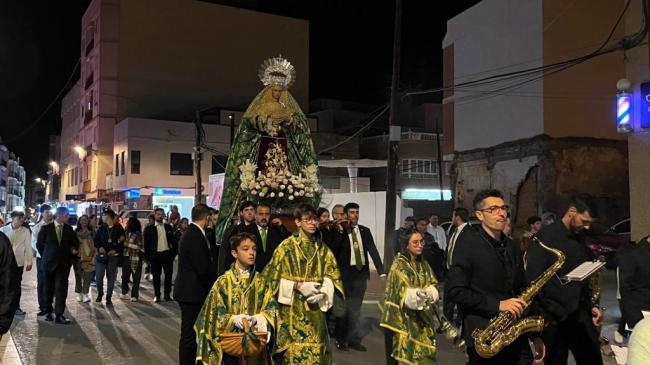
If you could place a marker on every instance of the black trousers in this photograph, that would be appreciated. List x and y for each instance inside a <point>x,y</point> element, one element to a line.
<point>347,326</point>
<point>187,343</point>
<point>19,275</point>
<point>56,289</point>
<point>518,353</point>
<point>578,335</point>
<point>40,285</point>
<point>162,261</point>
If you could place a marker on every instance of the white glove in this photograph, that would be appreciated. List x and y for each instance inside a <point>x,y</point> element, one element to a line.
<point>309,288</point>
<point>316,298</point>
<point>416,298</point>
<point>432,293</point>
<point>238,320</point>
<point>252,320</point>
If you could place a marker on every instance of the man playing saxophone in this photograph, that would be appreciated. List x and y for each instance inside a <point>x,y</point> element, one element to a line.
<point>485,276</point>
<point>569,312</point>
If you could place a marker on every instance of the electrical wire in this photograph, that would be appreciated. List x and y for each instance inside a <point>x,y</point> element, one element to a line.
<point>383,109</point>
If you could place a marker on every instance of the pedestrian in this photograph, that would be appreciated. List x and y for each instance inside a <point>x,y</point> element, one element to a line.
<point>459,219</point>
<point>354,248</point>
<point>57,243</point>
<point>438,234</point>
<point>196,275</point>
<point>160,249</point>
<point>569,308</point>
<point>302,276</point>
<point>181,227</point>
<point>93,223</point>
<point>109,242</point>
<point>410,292</point>
<point>634,278</point>
<point>19,236</point>
<point>485,278</point>
<point>8,284</point>
<point>402,232</point>
<point>132,259</point>
<point>85,270</point>
<point>46,217</point>
<point>151,220</point>
<point>174,216</point>
<point>432,253</point>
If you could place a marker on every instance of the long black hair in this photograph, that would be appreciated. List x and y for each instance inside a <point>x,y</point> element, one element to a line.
<point>133,225</point>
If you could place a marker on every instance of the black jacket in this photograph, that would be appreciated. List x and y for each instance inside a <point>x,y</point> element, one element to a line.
<point>484,271</point>
<point>197,270</point>
<point>273,239</point>
<point>54,254</point>
<point>343,252</point>
<point>634,276</point>
<point>151,240</point>
<point>8,284</point>
<point>558,301</point>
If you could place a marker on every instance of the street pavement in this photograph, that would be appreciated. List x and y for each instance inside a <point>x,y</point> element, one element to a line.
<point>147,333</point>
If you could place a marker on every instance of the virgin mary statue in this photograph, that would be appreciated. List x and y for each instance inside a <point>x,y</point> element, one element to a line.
<point>273,140</point>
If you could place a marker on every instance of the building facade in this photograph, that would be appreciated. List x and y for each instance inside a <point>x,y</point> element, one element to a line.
<point>12,183</point>
<point>537,137</point>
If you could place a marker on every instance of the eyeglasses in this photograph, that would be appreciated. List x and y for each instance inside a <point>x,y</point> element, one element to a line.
<point>496,209</point>
<point>418,243</point>
<point>310,220</point>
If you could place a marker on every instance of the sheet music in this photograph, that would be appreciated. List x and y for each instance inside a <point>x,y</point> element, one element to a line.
<point>584,270</point>
<point>620,354</point>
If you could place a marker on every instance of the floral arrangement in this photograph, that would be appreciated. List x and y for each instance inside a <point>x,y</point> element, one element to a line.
<point>277,186</point>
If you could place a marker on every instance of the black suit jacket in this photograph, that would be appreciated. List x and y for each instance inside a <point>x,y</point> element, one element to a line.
<point>634,274</point>
<point>482,275</point>
<point>343,253</point>
<point>54,254</point>
<point>197,270</point>
<point>273,239</point>
<point>151,240</point>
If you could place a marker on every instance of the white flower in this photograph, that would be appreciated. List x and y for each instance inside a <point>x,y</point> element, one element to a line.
<point>272,195</point>
<point>285,181</point>
<point>262,194</point>
<point>274,185</point>
<point>289,174</point>
<point>280,194</point>
<point>282,187</point>
<point>296,193</point>
<point>254,192</point>
<point>258,186</point>
<point>309,195</point>
<point>262,183</point>
<point>302,193</point>
<point>291,197</point>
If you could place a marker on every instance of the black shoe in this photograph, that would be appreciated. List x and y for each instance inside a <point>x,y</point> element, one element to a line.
<point>20,312</point>
<point>109,301</point>
<point>61,320</point>
<point>357,347</point>
<point>342,346</point>
<point>48,317</point>
<point>99,298</point>
<point>168,298</point>
<point>41,313</point>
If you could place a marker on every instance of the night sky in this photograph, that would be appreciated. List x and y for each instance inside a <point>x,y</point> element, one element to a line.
<point>350,57</point>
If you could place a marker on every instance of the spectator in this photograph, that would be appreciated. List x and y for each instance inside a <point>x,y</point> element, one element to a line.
<point>400,235</point>
<point>85,270</point>
<point>93,225</point>
<point>109,242</point>
<point>8,284</point>
<point>174,216</point>
<point>160,249</point>
<point>132,259</point>
<point>534,225</point>
<point>46,218</point>
<point>438,233</point>
<point>432,253</point>
<point>19,236</point>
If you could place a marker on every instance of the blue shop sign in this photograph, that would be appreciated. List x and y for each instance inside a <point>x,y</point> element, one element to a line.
<point>644,120</point>
<point>161,191</point>
<point>133,193</point>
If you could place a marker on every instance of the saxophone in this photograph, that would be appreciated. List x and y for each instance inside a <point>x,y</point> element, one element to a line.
<point>503,329</point>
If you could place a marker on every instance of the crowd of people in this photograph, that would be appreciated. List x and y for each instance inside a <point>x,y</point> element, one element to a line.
<point>296,288</point>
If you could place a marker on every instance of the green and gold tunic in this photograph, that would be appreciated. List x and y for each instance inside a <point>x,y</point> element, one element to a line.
<point>413,331</point>
<point>301,327</point>
<point>233,293</point>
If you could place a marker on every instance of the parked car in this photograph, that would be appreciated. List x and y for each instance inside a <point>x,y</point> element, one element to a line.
<point>141,214</point>
<point>608,241</point>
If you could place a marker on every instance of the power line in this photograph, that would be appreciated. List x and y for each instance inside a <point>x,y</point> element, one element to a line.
<point>360,131</point>
<point>47,109</point>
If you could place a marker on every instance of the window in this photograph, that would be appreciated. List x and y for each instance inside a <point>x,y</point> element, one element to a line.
<point>135,162</point>
<point>419,169</point>
<point>122,164</point>
<point>180,164</point>
<point>117,164</point>
<point>219,164</point>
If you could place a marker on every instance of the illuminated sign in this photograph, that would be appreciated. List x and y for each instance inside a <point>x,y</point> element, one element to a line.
<point>644,118</point>
<point>162,191</point>
<point>425,194</point>
<point>624,112</point>
<point>133,193</point>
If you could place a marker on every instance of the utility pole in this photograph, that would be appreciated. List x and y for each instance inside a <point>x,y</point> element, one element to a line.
<point>198,187</point>
<point>439,153</point>
<point>393,140</point>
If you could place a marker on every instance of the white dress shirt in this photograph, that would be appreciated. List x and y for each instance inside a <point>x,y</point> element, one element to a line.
<point>162,237</point>
<point>355,231</point>
<point>439,234</point>
<point>20,242</point>
<point>35,230</point>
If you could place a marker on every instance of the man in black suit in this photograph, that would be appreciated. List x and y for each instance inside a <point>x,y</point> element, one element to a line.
<point>485,276</point>
<point>196,275</point>
<point>247,220</point>
<point>57,243</point>
<point>9,284</point>
<point>267,237</point>
<point>160,250</point>
<point>352,256</point>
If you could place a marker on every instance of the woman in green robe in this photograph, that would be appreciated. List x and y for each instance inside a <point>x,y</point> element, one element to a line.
<point>406,305</point>
<point>237,295</point>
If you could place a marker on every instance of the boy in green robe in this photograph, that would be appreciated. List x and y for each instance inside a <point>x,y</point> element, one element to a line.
<point>236,296</point>
<point>406,305</point>
<point>302,277</point>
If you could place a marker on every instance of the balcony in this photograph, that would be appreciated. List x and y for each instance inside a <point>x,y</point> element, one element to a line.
<point>88,116</point>
<point>90,46</point>
<point>89,81</point>
<point>87,186</point>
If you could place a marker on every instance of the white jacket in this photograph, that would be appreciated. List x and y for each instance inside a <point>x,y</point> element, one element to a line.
<point>21,243</point>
